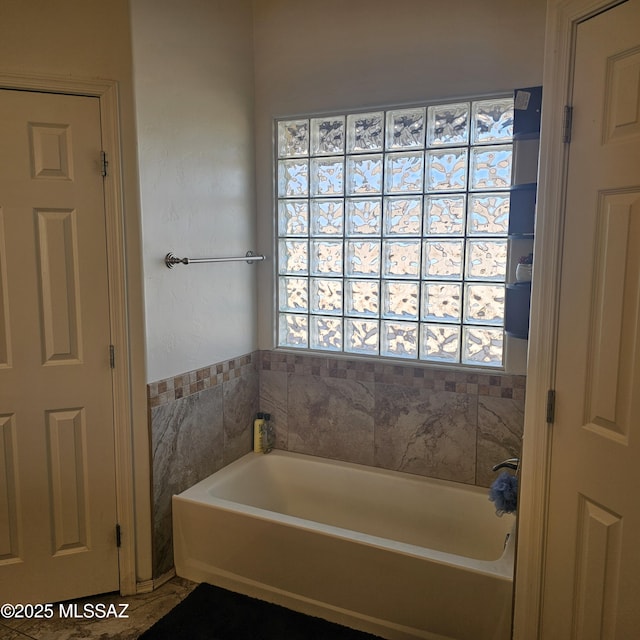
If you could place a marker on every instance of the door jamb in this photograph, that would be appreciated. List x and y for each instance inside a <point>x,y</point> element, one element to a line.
<point>107,93</point>
<point>563,17</point>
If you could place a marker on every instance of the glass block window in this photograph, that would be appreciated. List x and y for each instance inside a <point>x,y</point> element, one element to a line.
<point>392,232</point>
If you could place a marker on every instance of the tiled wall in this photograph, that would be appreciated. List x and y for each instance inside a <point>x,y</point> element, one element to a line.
<point>445,424</point>
<point>199,423</point>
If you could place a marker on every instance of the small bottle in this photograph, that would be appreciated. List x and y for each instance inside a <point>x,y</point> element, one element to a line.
<point>258,425</point>
<point>268,434</point>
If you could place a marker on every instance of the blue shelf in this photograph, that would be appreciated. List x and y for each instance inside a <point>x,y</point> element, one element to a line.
<point>527,113</point>
<point>516,309</point>
<point>522,209</point>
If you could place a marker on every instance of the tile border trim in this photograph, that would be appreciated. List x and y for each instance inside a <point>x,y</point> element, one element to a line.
<point>472,383</point>
<point>493,384</point>
<point>186,384</point>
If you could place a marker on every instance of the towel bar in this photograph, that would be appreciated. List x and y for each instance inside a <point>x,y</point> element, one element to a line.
<point>250,257</point>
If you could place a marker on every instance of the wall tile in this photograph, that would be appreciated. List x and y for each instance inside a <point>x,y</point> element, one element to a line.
<point>427,432</point>
<point>273,400</point>
<point>187,441</point>
<point>200,421</point>
<point>240,407</point>
<point>185,384</point>
<point>331,417</point>
<point>500,426</point>
<point>457,449</point>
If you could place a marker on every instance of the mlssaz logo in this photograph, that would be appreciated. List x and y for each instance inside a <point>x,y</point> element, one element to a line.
<point>97,611</point>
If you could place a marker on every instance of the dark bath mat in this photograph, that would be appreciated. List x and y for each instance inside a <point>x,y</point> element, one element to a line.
<point>212,613</point>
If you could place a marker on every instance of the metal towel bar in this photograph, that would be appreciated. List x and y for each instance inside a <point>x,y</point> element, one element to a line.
<point>250,257</point>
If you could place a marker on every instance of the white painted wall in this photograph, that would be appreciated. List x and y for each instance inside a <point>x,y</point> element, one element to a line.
<point>193,73</point>
<point>329,55</point>
<point>193,68</point>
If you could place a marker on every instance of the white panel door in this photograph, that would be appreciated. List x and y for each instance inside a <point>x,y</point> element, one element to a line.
<point>57,473</point>
<point>592,564</point>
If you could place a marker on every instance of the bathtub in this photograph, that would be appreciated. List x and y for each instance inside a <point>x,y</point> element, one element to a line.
<point>394,554</point>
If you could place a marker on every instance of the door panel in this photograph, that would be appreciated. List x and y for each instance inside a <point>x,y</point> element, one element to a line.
<point>57,468</point>
<point>592,565</point>
<point>614,317</point>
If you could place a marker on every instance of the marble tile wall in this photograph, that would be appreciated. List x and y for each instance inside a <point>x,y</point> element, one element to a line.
<point>445,424</point>
<point>199,423</point>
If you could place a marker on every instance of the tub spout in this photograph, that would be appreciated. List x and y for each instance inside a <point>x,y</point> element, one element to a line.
<point>511,463</point>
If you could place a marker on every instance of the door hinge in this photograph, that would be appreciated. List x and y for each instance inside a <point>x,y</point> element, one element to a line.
<point>566,124</point>
<point>551,406</point>
<point>118,536</point>
<point>112,356</point>
<point>104,164</point>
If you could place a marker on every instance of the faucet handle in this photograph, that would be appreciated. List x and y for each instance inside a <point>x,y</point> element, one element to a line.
<point>511,463</point>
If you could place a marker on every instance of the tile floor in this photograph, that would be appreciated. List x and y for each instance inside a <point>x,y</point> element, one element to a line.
<point>144,609</point>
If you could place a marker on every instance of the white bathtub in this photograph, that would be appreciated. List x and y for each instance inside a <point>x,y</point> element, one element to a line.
<point>391,553</point>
